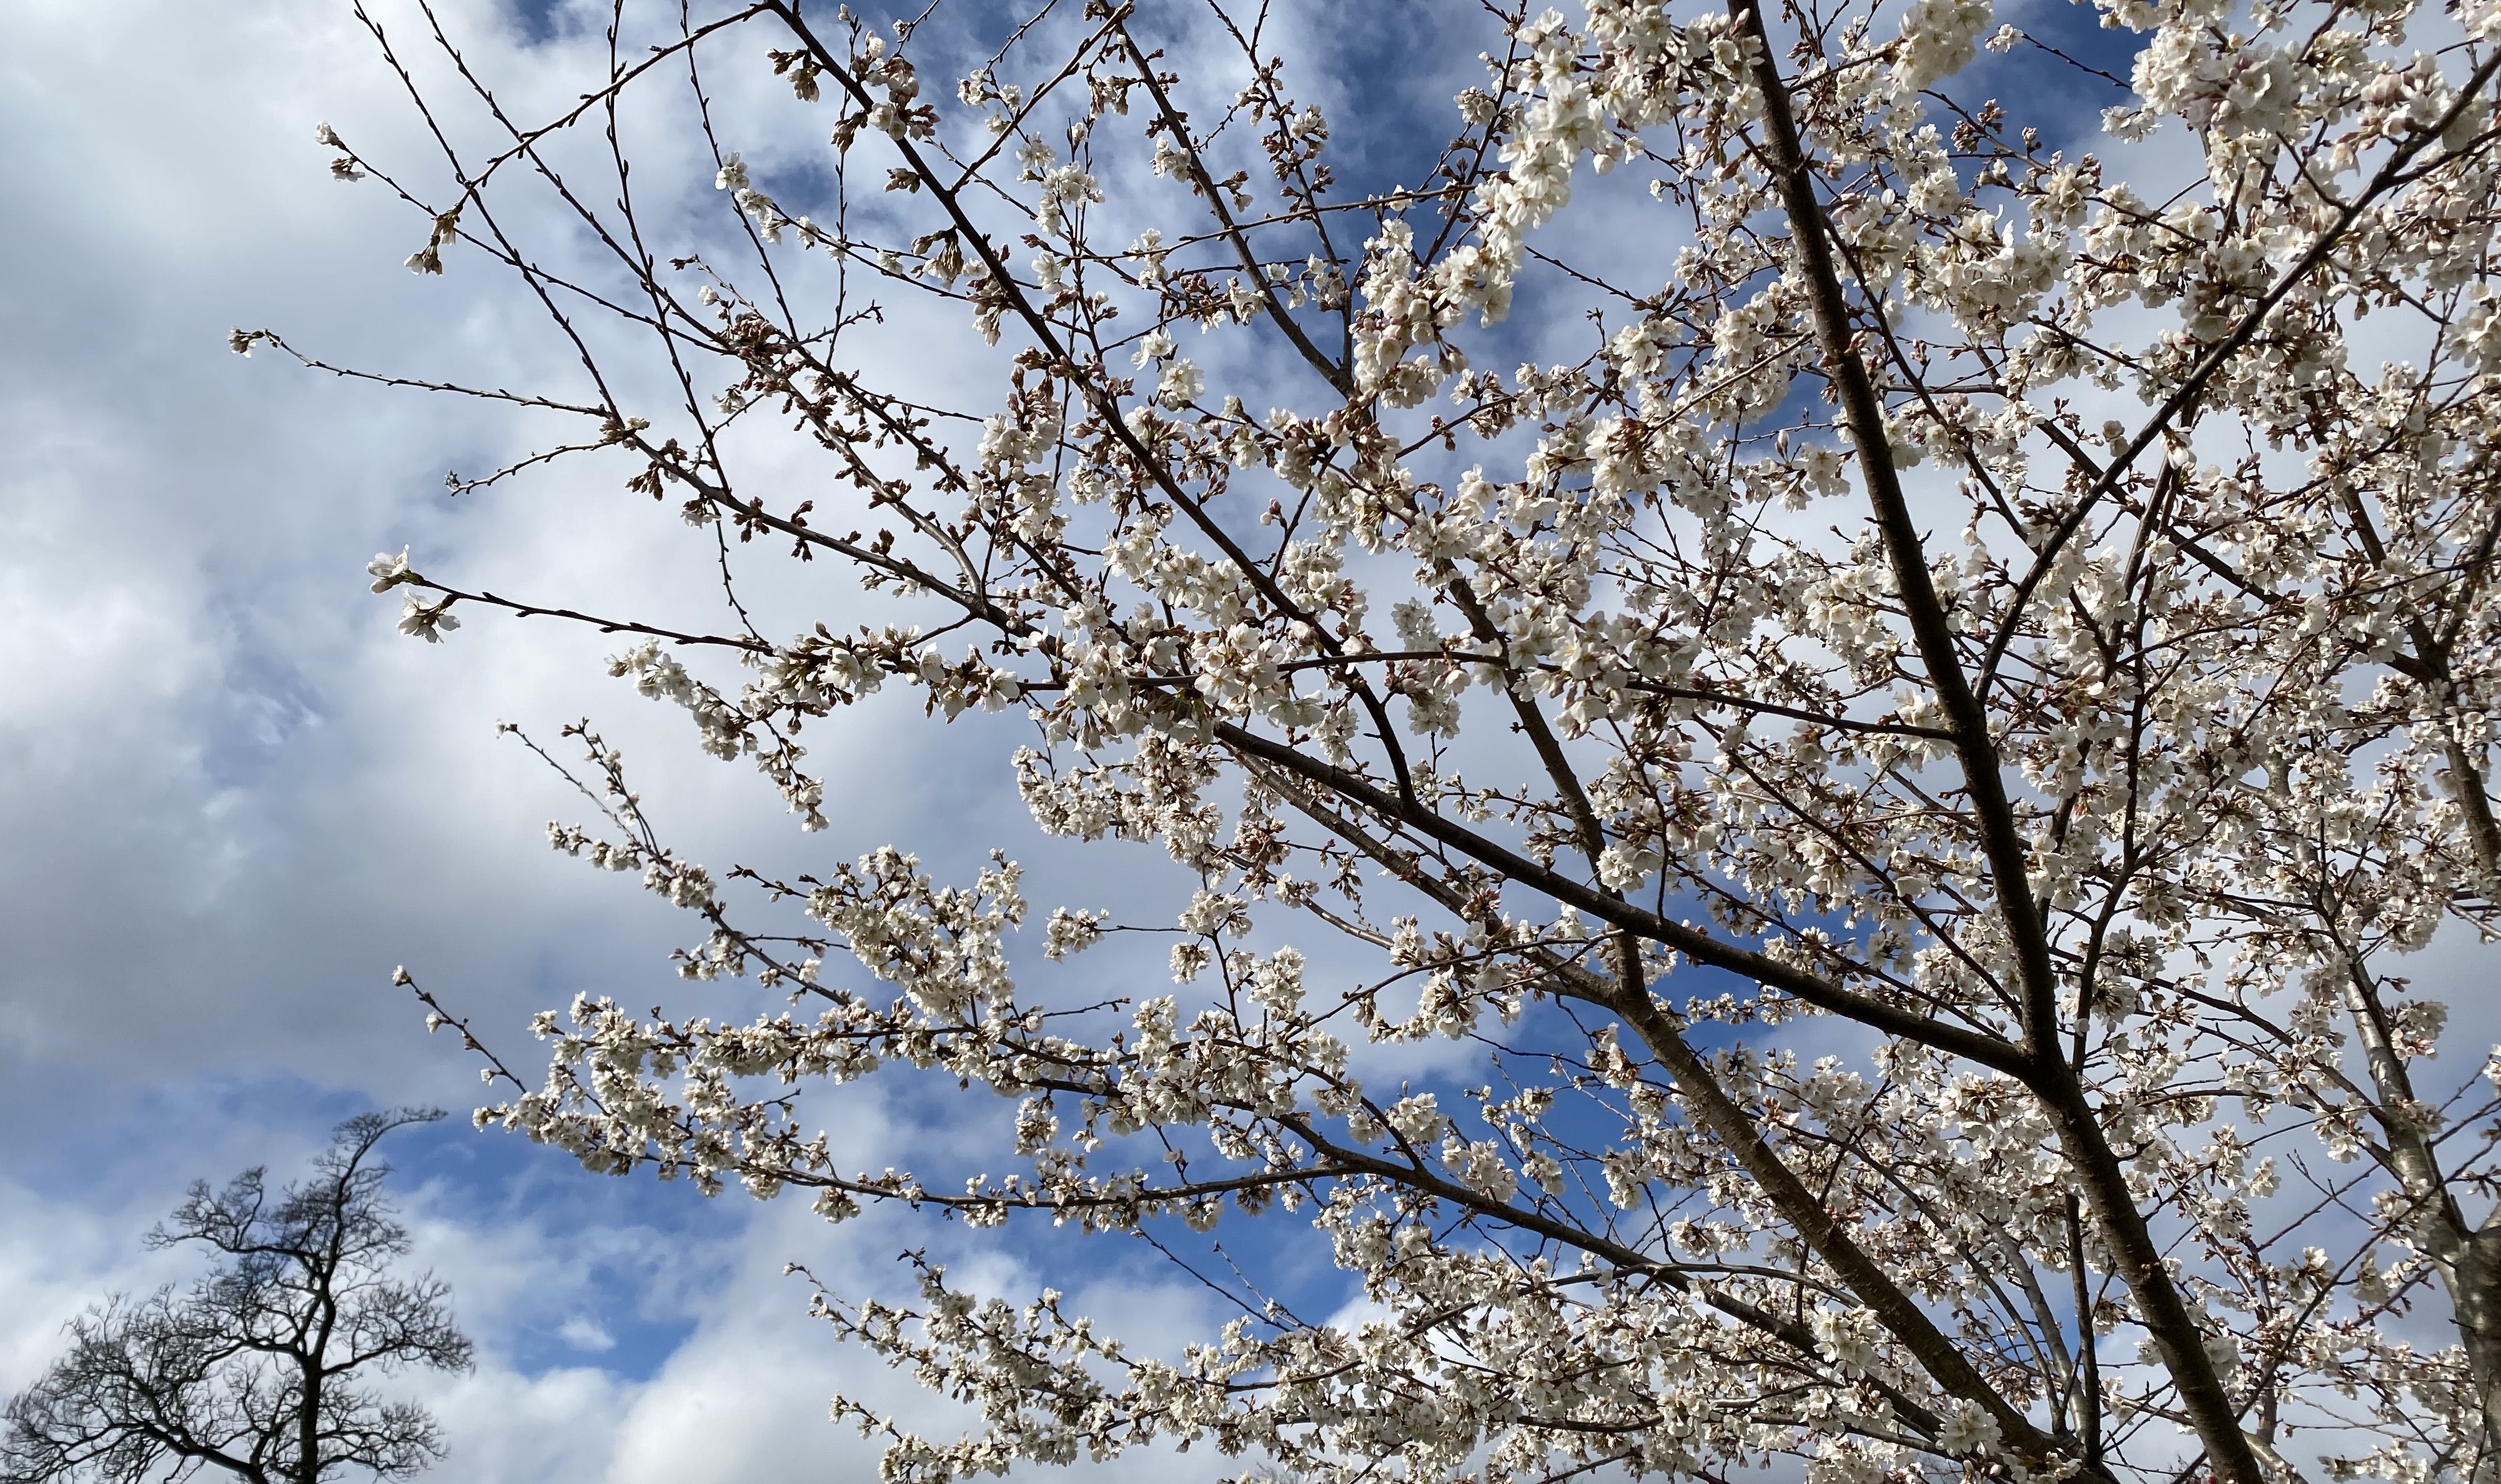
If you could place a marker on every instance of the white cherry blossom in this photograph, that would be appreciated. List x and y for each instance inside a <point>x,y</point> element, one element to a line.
<point>1911,771</point>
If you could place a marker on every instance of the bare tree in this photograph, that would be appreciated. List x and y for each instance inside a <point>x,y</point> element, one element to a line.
<point>259,1370</point>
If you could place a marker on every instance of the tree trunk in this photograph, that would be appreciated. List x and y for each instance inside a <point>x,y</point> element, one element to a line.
<point>2473,1277</point>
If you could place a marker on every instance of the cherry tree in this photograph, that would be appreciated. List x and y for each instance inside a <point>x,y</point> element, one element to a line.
<point>1911,757</point>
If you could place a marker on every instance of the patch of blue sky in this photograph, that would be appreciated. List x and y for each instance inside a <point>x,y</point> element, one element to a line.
<point>543,20</point>
<point>609,1271</point>
<point>263,705</point>
<point>623,1263</point>
<point>2075,67</point>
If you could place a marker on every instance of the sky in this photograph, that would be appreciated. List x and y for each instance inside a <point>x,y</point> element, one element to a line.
<point>233,799</point>
<point>236,799</point>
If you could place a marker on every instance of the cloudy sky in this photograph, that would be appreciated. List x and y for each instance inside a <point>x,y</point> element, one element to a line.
<point>234,797</point>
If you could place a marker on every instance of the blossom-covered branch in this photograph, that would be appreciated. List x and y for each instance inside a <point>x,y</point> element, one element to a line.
<point>1911,760</point>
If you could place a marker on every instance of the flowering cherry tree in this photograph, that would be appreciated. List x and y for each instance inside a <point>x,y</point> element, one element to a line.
<point>1915,753</point>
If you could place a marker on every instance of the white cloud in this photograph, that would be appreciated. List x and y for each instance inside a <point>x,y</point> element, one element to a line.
<point>584,1333</point>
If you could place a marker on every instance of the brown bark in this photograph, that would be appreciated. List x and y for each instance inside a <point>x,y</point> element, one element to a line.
<point>2159,1304</point>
